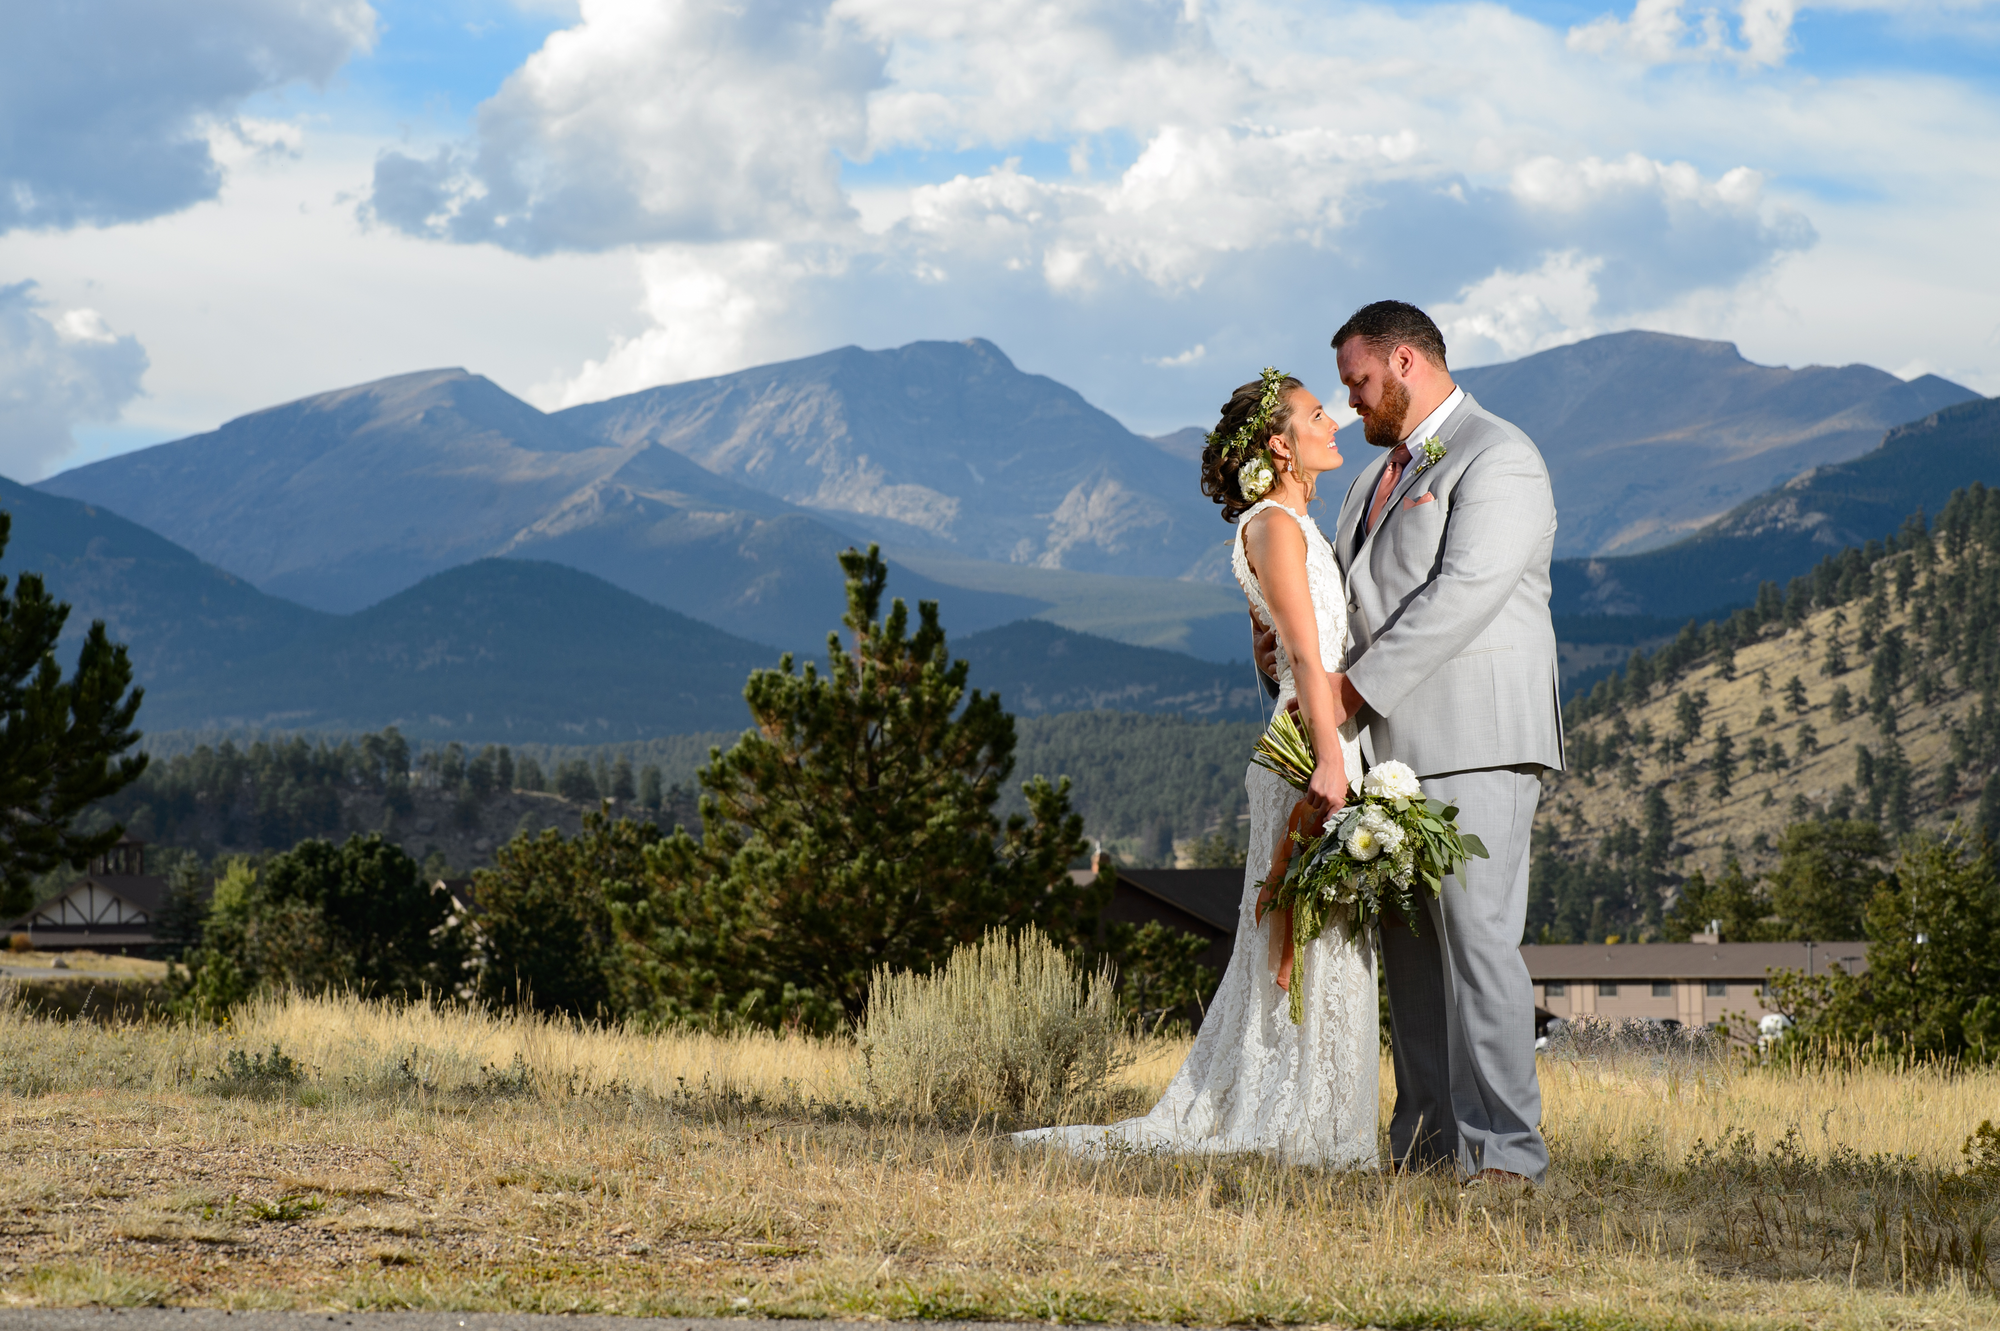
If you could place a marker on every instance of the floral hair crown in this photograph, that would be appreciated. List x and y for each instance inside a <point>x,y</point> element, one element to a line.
<point>1256,475</point>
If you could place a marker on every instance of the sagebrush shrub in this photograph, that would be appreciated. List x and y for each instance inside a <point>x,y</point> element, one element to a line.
<point>1008,1025</point>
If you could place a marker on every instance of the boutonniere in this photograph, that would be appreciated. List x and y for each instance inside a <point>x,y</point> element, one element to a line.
<point>1434,451</point>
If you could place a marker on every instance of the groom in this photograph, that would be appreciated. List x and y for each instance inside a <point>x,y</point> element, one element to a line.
<point>1445,544</point>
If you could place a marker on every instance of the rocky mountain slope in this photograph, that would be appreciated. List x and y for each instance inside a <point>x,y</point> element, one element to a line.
<point>1783,532</point>
<point>342,499</point>
<point>944,444</point>
<point>1650,436</point>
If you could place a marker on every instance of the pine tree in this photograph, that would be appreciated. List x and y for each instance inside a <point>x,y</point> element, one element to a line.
<point>1734,900</point>
<point>1933,980</point>
<point>546,936</point>
<point>1724,762</point>
<point>853,827</point>
<point>62,740</point>
<point>1826,873</point>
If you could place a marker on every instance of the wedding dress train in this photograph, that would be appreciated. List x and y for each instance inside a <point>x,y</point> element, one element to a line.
<point>1307,1094</point>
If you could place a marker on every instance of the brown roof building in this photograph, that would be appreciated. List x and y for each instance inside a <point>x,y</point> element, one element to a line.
<point>1202,902</point>
<point>114,907</point>
<point>1692,983</point>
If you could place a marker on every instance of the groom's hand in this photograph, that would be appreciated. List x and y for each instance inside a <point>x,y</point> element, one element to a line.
<point>1347,699</point>
<point>1264,646</point>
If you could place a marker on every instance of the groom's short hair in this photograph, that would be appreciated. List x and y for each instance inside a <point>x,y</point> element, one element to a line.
<point>1388,324</point>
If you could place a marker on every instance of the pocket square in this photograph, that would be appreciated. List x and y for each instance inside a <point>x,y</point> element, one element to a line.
<point>1420,499</point>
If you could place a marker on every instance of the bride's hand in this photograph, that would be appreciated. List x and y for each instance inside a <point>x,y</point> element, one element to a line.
<point>1328,787</point>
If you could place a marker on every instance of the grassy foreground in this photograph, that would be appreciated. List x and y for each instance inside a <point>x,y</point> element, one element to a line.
<point>397,1159</point>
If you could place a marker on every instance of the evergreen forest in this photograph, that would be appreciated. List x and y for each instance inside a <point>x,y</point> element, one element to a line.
<point>1763,770</point>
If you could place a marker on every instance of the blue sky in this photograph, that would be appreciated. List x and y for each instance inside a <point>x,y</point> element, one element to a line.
<point>218,206</point>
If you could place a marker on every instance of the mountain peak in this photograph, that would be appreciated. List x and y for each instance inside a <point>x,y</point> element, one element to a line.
<point>1649,436</point>
<point>938,444</point>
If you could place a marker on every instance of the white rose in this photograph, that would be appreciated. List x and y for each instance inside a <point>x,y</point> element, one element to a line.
<point>1392,781</point>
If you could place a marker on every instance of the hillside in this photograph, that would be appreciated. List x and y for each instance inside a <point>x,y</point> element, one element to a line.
<point>942,444</point>
<point>184,620</point>
<point>1038,668</point>
<point>1782,533</point>
<point>1147,786</point>
<point>496,651</point>
<point>1895,718</point>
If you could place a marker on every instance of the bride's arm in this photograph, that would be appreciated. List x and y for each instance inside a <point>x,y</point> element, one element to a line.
<point>1277,553</point>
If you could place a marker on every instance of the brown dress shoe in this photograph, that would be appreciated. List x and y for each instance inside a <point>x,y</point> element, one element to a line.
<point>1491,1176</point>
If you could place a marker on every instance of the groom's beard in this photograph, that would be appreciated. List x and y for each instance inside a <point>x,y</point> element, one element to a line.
<point>1383,427</point>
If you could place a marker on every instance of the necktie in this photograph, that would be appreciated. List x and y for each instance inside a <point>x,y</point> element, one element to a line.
<point>1390,475</point>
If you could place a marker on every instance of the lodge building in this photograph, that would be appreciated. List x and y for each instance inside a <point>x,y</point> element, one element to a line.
<point>114,907</point>
<point>1696,984</point>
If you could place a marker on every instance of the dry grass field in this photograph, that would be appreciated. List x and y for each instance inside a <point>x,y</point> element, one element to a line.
<point>388,1159</point>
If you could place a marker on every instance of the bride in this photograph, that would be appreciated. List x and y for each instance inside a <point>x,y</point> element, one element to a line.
<point>1305,1093</point>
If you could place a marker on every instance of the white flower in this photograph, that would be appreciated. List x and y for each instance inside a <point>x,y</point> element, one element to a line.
<point>1254,478</point>
<point>1375,833</point>
<point>1391,781</point>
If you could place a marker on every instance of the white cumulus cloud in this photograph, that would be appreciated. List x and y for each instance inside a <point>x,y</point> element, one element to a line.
<point>1144,161</point>
<point>652,121</point>
<point>115,107</point>
<point>55,374</point>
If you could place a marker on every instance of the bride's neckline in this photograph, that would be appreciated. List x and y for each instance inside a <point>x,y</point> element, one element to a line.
<point>1279,503</point>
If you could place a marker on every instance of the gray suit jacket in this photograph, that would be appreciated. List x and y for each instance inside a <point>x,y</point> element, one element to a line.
<point>1448,597</point>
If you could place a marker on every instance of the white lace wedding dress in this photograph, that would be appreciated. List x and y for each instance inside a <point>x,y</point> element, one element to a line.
<point>1306,1094</point>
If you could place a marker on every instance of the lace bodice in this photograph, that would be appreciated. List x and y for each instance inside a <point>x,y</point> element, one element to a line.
<point>1329,595</point>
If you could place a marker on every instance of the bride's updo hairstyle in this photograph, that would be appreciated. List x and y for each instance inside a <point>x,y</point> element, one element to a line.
<point>1222,462</point>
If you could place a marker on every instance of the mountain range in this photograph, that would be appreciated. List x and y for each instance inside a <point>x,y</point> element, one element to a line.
<point>1784,532</point>
<point>498,650</point>
<point>339,500</point>
<point>1649,437</point>
<point>428,549</point>
<point>940,444</point>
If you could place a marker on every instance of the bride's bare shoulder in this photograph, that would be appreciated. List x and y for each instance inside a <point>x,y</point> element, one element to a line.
<point>1270,541</point>
<point>1265,529</point>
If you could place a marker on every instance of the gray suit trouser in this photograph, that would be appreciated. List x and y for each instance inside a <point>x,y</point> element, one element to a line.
<point>1461,1004</point>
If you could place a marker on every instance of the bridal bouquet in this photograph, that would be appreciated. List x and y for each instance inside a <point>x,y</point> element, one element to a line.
<point>1374,852</point>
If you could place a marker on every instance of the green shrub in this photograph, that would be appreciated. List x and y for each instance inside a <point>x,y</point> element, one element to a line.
<point>1008,1025</point>
<point>257,1074</point>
